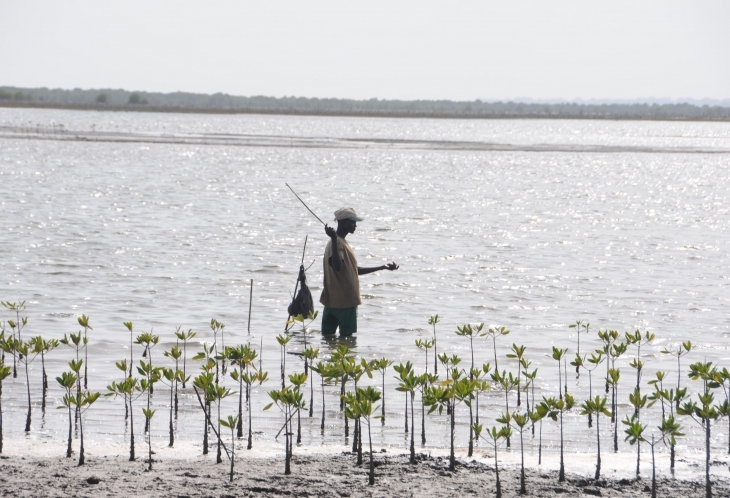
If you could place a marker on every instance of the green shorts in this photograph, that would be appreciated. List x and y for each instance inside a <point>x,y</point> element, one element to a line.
<point>344,318</point>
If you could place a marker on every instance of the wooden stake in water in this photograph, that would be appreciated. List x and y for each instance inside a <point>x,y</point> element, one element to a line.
<point>250,301</point>
<point>296,286</point>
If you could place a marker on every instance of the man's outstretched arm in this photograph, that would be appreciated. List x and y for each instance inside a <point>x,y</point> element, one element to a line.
<point>372,269</point>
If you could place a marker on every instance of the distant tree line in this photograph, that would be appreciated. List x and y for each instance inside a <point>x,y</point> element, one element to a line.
<point>221,102</point>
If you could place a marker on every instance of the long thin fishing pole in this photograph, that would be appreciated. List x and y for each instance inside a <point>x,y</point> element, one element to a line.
<point>305,205</point>
<point>250,301</point>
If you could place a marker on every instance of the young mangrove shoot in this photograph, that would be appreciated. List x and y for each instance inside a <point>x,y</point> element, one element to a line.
<point>231,423</point>
<point>596,407</point>
<point>84,322</point>
<point>84,400</point>
<point>185,337</point>
<point>433,320</point>
<point>67,380</point>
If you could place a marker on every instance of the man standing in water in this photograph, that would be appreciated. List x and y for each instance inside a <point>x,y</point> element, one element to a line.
<point>341,291</point>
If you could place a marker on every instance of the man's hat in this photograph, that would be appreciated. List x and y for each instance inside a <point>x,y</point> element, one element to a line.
<point>347,214</point>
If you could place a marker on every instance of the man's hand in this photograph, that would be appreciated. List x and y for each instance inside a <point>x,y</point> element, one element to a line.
<point>391,266</point>
<point>331,232</point>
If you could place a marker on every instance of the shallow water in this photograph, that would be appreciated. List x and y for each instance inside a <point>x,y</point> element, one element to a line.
<point>171,234</point>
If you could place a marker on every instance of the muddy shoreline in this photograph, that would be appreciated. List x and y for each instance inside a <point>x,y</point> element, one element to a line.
<point>322,475</point>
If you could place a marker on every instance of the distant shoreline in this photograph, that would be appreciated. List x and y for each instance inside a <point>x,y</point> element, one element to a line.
<point>340,113</point>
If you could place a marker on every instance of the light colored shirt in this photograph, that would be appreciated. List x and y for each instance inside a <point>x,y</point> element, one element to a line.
<point>341,288</point>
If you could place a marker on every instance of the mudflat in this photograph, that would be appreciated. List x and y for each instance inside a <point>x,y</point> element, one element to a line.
<point>326,475</point>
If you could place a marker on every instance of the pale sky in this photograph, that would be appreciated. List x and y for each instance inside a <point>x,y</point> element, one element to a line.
<point>458,50</point>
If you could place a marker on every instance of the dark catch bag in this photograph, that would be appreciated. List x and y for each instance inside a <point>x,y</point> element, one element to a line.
<point>302,303</point>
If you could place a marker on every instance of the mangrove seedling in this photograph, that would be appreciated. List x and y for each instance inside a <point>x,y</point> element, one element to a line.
<point>231,423</point>
<point>481,385</point>
<point>635,436</point>
<point>382,365</point>
<point>150,377</point>
<point>217,327</point>
<point>612,380</point>
<point>471,332</point>
<point>122,365</point>
<point>557,408</point>
<point>206,371</point>
<point>558,355</point>
<point>340,368</point>
<point>84,400</point>
<point>524,368</point>
<point>249,378</point>
<point>21,351</point>
<point>425,344</point>
<point>128,387</point>
<point>596,407</point>
<point>185,337</point>
<point>609,338</point>
<point>130,328</point>
<point>580,362</point>
<point>578,325</point>
<point>175,354</point>
<point>289,402</point>
<point>327,374</point>
<point>671,430</point>
<point>42,347</point>
<point>68,381</point>
<point>425,381</point>
<point>653,468</point>
<point>75,341</point>
<point>4,374</point>
<point>433,320</point>
<point>723,378</point>
<point>305,321</point>
<point>518,353</point>
<point>350,401</point>
<point>520,421</point>
<point>408,384</point>
<point>241,357</point>
<point>536,415</point>
<point>617,349</point>
<point>495,435</point>
<point>403,372</point>
<point>310,354</point>
<point>148,340</point>
<point>84,322</point>
<point>508,382</point>
<point>214,393</point>
<point>16,325</point>
<point>355,371</point>
<point>638,340</point>
<point>362,408</point>
<point>340,354</point>
<point>639,402</point>
<point>148,414</point>
<point>450,363</point>
<point>297,381</point>
<point>452,392</point>
<point>283,340</point>
<point>494,333</point>
<point>172,377</point>
<point>705,412</point>
<point>681,350</point>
